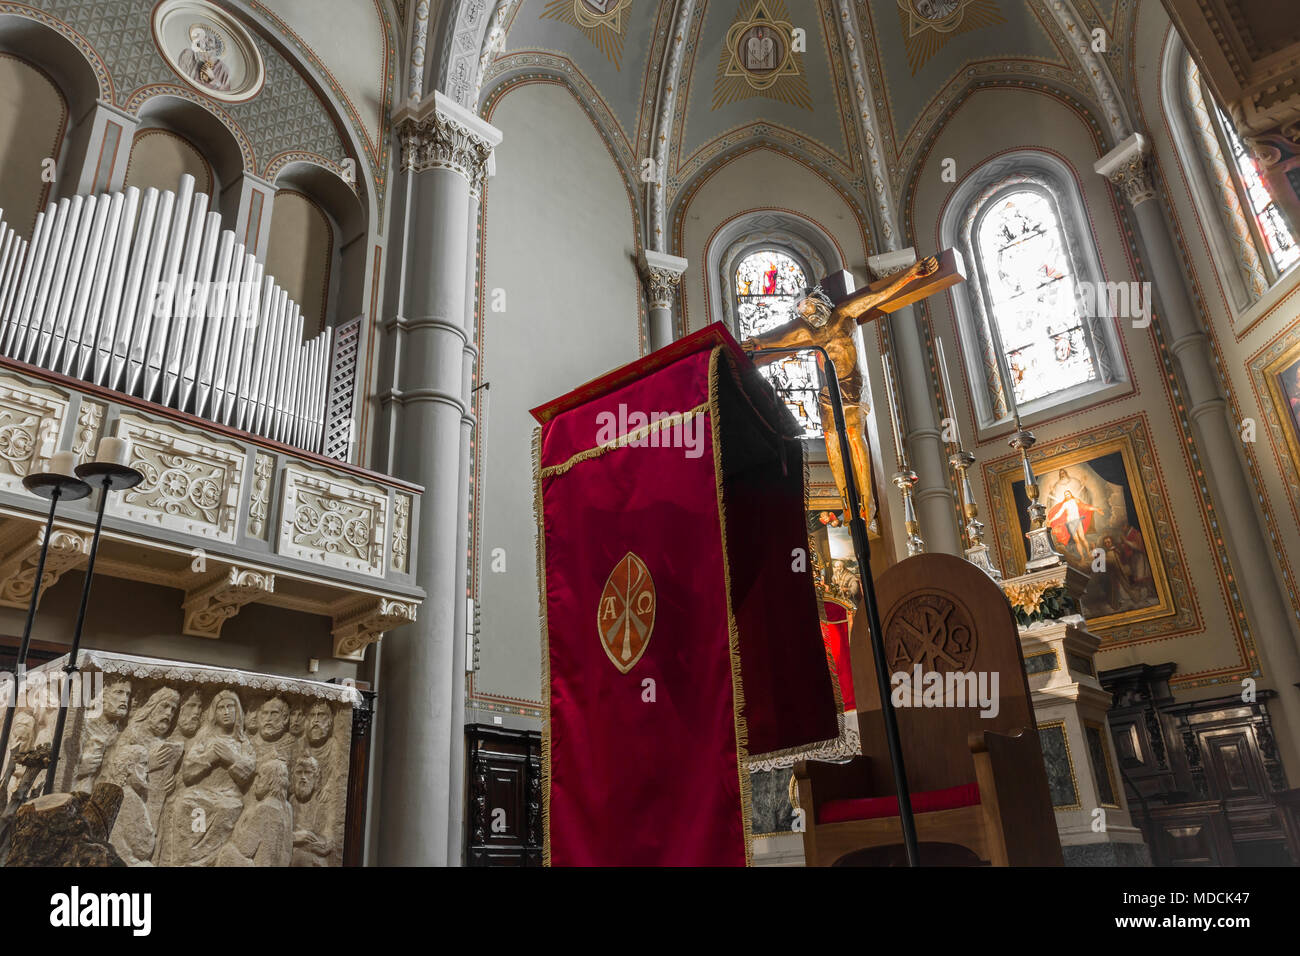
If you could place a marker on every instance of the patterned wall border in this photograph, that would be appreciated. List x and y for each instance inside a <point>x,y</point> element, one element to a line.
<point>1285,443</point>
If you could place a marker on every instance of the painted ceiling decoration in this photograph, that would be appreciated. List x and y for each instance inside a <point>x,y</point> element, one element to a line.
<point>759,59</point>
<point>857,101</point>
<point>603,22</point>
<point>928,25</point>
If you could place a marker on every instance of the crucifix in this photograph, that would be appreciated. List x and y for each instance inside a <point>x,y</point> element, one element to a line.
<point>829,317</point>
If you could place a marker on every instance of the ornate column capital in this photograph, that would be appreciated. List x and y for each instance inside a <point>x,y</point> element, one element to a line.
<point>1127,168</point>
<point>438,133</point>
<point>663,274</point>
<point>888,263</point>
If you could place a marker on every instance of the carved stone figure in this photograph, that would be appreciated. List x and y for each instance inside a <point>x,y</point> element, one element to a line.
<point>273,742</point>
<point>134,764</point>
<point>312,837</point>
<point>100,733</point>
<point>162,782</point>
<point>262,835</point>
<point>216,771</point>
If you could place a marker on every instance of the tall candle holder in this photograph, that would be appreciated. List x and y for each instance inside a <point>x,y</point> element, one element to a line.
<point>977,552</point>
<point>109,471</point>
<point>57,483</point>
<point>1042,553</point>
<point>904,478</point>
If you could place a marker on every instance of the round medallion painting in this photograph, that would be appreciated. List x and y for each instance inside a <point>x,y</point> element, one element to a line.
<point>209,49</point>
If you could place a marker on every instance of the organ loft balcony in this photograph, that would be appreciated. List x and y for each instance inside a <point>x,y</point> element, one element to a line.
<point>134,314</point>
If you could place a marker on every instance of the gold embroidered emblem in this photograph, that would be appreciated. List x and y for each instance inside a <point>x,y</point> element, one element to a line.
<point>625,616</point>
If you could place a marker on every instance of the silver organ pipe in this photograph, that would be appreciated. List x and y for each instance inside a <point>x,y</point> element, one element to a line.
<point>145,293</point>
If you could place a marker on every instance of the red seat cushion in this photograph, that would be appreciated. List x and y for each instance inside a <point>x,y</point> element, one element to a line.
<point>926,801</point>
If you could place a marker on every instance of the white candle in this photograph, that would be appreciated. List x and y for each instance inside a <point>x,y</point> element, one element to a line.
<point>950,409</point>
<point>894,417</point>
<point>63,463</point>
<point>114,451</point>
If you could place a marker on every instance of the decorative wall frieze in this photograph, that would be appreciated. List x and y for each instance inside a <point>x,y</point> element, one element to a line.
<point>365,625</point>
<point>259,498</point>
<point>334,521</point>
<point>31,418</point>
<point>1126,166</point>
<point>90,422</point>
<point>191,484</point>
<point>401,532</point>
<point>68,549</point>
<point>209,606</point>
<point>441,134</point>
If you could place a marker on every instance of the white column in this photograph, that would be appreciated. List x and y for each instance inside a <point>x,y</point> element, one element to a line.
<point>663,274</point>
<point>1126,166</point>
<point>445,151</point>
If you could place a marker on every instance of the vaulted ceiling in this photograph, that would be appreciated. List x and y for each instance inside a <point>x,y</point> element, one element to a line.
<point>853,88</point>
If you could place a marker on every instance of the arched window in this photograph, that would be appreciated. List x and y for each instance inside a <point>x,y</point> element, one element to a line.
<point>1249,239</point>
<point>1031,295</point>
<point>1036,316</point>
<point>767,284</point>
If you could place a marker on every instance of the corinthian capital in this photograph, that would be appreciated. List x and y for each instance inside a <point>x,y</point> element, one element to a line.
<point>1126,166</point>
<point>663,274</point>
<point>441,134</point>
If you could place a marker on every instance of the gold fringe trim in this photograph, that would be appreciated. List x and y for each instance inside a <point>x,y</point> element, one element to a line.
<point>539,515</point>
<point>622,441</point>
<point>733,635</point>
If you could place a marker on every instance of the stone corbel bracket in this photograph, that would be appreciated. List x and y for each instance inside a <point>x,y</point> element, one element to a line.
<point>68,549</point>
<point>360,627</point>
<point>209,606</point>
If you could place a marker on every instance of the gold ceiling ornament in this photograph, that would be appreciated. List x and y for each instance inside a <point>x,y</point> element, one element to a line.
<point>928,25</point>
<point>603,22</point>
<point>758,58</point>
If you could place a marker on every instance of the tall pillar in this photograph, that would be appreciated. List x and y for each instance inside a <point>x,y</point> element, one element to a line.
<point>927,455</point>
<point>1126,167</point>
<point>445,151</point>
<point>663,274</point>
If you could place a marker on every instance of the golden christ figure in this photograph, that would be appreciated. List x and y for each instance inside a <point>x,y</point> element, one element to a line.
<point>817,324</point>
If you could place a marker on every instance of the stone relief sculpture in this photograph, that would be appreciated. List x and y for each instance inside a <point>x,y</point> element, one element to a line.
<point>217,767</point>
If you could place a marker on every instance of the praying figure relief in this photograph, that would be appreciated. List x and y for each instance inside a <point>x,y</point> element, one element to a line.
<point>312,838</point>
<point>216,771</point>
<point>262,835</point>
<point>100,733</point>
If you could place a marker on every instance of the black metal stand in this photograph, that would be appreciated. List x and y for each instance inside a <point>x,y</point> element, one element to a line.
<point>862,551</point>
<point>57,488</point>
<point>108,477</point>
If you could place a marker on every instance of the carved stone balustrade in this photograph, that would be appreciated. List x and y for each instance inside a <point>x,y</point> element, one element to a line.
<point>223,516</point>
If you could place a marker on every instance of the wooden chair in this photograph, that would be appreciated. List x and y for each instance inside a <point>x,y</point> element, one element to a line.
<point>976,781</point>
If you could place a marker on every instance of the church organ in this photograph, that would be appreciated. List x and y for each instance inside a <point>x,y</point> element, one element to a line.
<point>145,293</point>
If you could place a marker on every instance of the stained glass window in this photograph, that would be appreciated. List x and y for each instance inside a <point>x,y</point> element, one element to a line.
<point>1278,240</point>
<point>1030,283</point>
<point>768,283</point>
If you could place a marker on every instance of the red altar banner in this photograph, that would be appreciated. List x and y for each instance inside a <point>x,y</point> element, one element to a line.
<point>680,629</point>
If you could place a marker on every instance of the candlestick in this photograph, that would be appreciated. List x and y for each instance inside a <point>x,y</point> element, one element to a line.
<point>114,451</point>
<point>978,552</point>
<point>948,406</point>
<point>894,417</point>
<point>904,480</point>
<point>1042,553</point>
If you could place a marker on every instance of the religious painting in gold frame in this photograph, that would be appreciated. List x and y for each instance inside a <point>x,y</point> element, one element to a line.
<point>1108,516</point>
<point>1282,380</point>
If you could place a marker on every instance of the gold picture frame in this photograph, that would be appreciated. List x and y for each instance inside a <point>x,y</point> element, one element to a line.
<point>1285,398</point>
<point>1113,472</point>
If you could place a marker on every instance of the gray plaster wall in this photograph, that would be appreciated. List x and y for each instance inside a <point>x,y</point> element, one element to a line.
<point>559,242</point>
